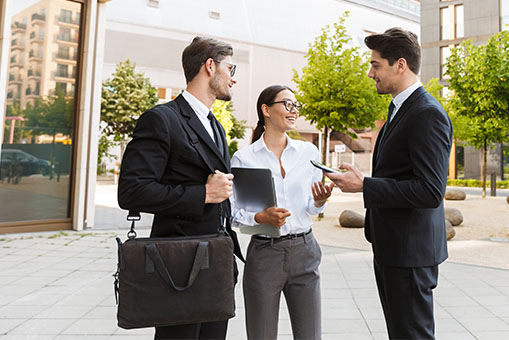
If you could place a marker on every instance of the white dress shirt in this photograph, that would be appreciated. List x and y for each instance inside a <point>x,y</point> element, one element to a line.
<point>400,98</point>
<point>201,111</point>
<point>293,192</point>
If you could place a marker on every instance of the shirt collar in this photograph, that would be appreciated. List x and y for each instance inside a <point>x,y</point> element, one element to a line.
<point>196,105</point>
<point>260,144</point>
<point>400,98</point>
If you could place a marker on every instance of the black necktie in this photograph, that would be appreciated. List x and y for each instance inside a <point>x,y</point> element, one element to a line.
<point>215,129</point>
<point>389,115</point>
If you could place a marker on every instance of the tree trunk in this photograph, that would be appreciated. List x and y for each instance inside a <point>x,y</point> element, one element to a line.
<point>325,136</point>
<point>483,168</point>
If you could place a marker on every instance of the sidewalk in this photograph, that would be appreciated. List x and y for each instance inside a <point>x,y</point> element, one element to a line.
<point>59,285</point>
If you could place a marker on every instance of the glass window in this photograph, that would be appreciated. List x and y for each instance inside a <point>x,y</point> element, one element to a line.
<point>445,52</point>
<point>66,16</point>
<point>445,29</point>
<point>61,70</point>
<point>36,150</point>
<point>64,34</point>
<point>459,21</point>
<point>63,52</point>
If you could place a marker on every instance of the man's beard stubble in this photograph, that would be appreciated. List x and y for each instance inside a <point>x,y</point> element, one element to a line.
<point>218,91</point>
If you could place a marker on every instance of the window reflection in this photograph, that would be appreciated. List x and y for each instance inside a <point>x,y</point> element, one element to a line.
<point>36,151</point>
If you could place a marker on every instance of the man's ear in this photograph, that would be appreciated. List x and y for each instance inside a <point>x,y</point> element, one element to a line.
<point>402,65</point>
<point>209,66</point>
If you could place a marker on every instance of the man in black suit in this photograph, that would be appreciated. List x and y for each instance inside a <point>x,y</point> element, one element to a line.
<point>163,174</point>
<point>404,197</point>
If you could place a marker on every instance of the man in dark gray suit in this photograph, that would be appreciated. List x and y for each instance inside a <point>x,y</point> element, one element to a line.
<point>163,173</point>
<point>404,197</point>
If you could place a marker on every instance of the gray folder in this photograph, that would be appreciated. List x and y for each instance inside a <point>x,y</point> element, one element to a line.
<point>254,191</point>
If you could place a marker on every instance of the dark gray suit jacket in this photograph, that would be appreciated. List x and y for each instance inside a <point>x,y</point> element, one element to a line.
<point>162,173</point>
<point>404,197</point>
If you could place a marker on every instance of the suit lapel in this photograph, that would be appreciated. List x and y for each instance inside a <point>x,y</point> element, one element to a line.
<point>195,124</point>
<point>394,123</point>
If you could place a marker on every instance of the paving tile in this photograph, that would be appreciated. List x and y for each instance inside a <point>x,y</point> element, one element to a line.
<point>98,327</point>
<point>491,335</point>
<point>448,325</point>
<point>484,324</point>
<point>43,326</point>
<point>63,312</point>
<point>6,325</point>
<point>27,337</point>
<point>469,312</point>
<point>19,312</point>
<point>455,336</point>
<point>376,325</point>
<point>101,312</point>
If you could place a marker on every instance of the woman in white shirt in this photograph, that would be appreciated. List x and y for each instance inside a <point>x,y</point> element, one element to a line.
<point>289,263</point>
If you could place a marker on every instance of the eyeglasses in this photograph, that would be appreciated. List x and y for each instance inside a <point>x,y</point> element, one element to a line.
<point>231,66</point>
<point>289,105</point>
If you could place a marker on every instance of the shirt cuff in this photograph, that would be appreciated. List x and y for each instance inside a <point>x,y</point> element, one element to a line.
<point>314,210</point>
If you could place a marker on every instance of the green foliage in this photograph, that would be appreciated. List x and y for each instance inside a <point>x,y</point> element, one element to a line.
<point>238,129</point>
<point>234,128</point>
<point>294,134</point>
<point>475,183</point>
<point>124,98</point>
<point>334,88</point>
<point>52,114</point>
<point>222,111</point>
<point>479,77</point>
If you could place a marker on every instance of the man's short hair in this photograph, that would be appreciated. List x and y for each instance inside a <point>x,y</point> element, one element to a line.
<point>199,51</point>
<point>397,43</point>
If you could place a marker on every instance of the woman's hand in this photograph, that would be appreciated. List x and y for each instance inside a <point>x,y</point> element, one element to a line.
<point>321,192</point>
<point>273,216</point>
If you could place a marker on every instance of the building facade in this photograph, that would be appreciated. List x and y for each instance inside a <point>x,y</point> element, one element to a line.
<point>270,40</point>
<point>444,25</point>
<point>50,67</point>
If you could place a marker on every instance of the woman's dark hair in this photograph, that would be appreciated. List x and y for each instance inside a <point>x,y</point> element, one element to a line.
<point>397,43</point>
<point>199,51</point>
<point>266,97</point>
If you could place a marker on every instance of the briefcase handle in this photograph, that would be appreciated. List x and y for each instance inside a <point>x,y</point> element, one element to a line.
<point>201,261</point>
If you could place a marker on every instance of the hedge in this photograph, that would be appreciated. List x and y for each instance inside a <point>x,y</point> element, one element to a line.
<point>475,183</point>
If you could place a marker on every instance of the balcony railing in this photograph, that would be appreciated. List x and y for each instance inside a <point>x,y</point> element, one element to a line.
<point>62,74</point>
<point>18,26</point>
<point>63,55</point>
<point>37,16</point>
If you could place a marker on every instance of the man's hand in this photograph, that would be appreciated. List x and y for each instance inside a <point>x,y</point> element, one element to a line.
<point>219,187</point>
<point>350,181</point>
<point>321,192</point>
<point>273,216</point>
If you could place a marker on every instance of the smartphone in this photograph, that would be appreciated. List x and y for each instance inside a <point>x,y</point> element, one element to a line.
<point>325,168</point>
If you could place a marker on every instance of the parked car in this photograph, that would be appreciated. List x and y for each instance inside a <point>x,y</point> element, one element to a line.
<point>15,164</point>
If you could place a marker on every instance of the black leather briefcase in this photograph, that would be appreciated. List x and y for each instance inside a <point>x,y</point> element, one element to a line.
<point>174,281</point>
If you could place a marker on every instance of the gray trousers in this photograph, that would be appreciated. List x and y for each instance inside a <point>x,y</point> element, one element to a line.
<point>291,267</point>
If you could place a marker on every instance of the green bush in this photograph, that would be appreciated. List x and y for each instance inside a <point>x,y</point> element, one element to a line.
<point>475,183</point>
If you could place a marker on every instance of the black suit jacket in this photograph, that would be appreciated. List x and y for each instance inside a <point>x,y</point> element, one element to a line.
<point>163,174</point>
<point>404,197</point>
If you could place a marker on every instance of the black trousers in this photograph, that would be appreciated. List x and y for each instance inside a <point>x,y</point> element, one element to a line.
<point>206,330</point>
<point>406,295</point>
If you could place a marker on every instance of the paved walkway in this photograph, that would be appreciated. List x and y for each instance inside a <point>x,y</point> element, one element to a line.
<point>59,285</point>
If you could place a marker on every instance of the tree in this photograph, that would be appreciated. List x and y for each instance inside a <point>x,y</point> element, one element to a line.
<point>124,98</point>
<point>50,115</point>
<point>479,78</point>
<point>234,128</point>
<point>334,88</point>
